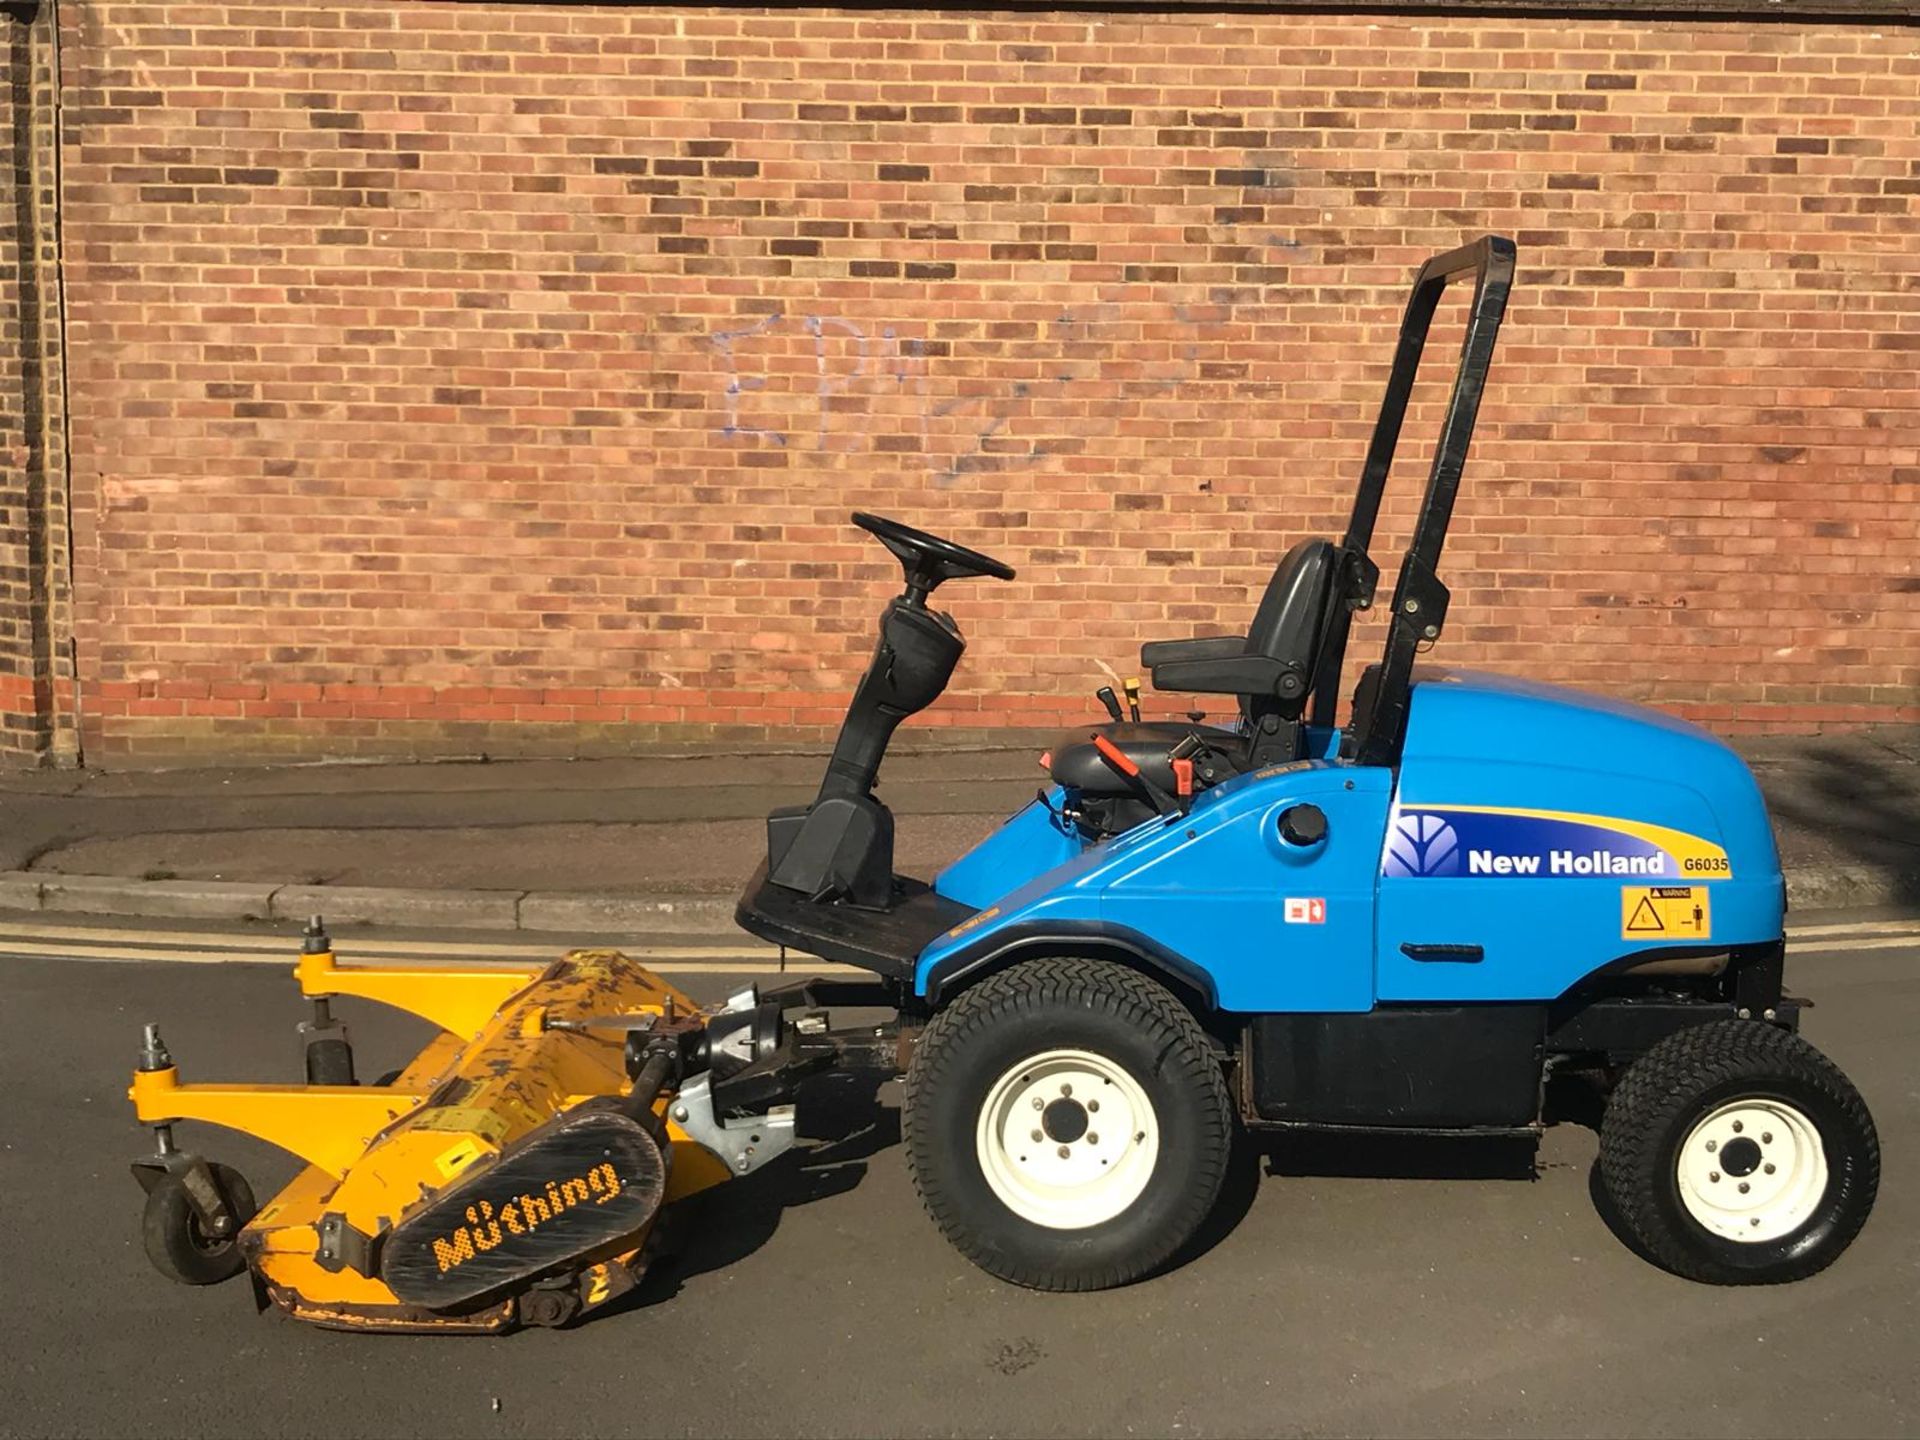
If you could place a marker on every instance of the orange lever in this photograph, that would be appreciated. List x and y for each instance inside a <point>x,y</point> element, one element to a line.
<point>1183,778</point>
<point>1115,756</point>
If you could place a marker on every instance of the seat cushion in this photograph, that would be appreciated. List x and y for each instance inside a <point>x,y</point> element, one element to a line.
<point>1077,765</point>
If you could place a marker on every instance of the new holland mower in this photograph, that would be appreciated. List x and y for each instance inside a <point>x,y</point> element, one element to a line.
<point>1407,920</point>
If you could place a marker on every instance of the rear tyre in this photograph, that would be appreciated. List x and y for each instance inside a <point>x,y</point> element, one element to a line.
<point>1067,1124</point>
<point>1737,1154</point>
<point>175,1241</point>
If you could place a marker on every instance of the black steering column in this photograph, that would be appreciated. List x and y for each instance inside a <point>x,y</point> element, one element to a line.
<point>840,848</point>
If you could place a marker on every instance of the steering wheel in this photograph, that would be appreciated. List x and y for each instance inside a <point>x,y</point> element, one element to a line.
<point>927,559</point>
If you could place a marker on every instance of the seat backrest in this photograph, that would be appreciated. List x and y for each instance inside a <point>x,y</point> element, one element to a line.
<point>1291,620</point>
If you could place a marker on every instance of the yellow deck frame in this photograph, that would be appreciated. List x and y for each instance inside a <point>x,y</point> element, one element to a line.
<point>328,1126</point>
<point>459,999</point>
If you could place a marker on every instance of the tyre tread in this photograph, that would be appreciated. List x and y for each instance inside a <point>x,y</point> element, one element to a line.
<point>1122,993</point>
<point>1663,1081</point>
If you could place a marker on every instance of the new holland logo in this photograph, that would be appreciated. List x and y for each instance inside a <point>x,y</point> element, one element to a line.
<point>1422,845</point>
<point>522,1215</point>
<point>1485,840</point>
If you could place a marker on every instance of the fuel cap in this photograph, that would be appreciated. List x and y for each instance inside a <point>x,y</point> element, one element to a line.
<point>1303,825</point>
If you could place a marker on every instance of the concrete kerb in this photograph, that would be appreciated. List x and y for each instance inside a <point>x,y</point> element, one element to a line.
<point>545,912</point>
<point>1816,887</point>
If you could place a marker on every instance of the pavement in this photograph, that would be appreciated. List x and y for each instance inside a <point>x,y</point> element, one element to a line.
<point>1345,1288</point>
<point>664,840</point>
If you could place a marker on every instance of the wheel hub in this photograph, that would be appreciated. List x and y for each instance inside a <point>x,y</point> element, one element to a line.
<point>1064,1121</point>
<point>1752,1171</point>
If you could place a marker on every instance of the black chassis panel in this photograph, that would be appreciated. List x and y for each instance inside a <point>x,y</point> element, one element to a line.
<point>1427,1067</point>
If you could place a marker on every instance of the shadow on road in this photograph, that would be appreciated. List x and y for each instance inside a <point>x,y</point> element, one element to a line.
<point>842,1126</point>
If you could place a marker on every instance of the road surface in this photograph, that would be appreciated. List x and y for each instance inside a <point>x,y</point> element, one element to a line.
<point>1385,1288</point>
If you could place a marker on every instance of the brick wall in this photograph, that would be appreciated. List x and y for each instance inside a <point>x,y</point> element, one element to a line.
<point>459,376</point>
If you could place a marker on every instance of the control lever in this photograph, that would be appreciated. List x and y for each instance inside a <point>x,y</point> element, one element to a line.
<point>1198,759</point>
<point>1132,687</point>
<point>1107,698</point>
<point>1122,765</point>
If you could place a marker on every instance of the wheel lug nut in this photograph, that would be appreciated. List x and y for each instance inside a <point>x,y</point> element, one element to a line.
<point>1092,1139</point>
<point>1712,1145</point>
<point>1067,1090</point>
<point>1766,1137</point>
<point>1063,1152</point>
<point>1744,1187</point>
<point>1738,1127</point>
<point>1038,1103</point>
<point>1093,1107</point>
<point>1037,1136</point>
<point>1754,1221</point>
<point>1714,1175</point>
<point>1768,1167</point>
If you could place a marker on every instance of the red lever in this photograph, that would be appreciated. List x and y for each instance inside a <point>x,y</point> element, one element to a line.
<point>1183,778</point>
<point>1115,756</point>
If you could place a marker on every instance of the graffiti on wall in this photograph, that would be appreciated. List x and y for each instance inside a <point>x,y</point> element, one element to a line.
<point>830,383</point>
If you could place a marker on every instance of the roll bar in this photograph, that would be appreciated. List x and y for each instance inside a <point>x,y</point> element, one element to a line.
<point>1379,721</point>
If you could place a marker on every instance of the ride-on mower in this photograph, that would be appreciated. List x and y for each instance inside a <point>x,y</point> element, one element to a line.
<point>1409,922</point>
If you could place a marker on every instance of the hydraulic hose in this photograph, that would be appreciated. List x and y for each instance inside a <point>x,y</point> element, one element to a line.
<point>655,1071</point>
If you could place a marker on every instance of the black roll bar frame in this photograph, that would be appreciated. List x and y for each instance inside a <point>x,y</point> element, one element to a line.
<point>1378,725</point>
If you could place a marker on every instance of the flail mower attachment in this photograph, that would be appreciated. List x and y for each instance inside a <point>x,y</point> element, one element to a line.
<point>512,1173</point>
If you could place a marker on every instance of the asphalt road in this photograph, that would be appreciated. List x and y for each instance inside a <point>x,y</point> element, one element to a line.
<point>1384,1289</point>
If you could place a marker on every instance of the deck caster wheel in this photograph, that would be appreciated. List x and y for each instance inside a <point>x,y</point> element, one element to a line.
<point>177,1243</point>
<point>1737,1154</point>
<point>549,1308</point>
<point>329,1062</point>
<point>1067,1124</point>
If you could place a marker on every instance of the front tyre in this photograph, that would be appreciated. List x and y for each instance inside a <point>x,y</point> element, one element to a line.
<point>1067,1124</point>
<point>1737,1154</point>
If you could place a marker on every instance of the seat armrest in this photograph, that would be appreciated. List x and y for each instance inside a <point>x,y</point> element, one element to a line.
<point>1213,647</point>
<point>1257,675</point>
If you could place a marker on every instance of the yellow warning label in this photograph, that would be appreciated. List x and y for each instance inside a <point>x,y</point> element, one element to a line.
<point>451,1162</point>
<point>1666,912</point>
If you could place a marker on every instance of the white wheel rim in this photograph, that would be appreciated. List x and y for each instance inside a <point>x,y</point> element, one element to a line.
<point>1752,1171</point>
<point>1098,1139</point>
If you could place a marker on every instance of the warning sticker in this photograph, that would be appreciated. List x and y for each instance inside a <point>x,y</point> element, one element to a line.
<point>1665,912</point>
<point>1306,910</point>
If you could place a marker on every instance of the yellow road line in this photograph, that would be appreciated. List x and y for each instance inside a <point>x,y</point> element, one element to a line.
<point>1864,927</point>
<point>1889,942</point>
<point>731,956</point>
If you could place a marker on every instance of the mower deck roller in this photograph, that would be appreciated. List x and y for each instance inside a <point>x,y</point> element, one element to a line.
<point>513,1172</point>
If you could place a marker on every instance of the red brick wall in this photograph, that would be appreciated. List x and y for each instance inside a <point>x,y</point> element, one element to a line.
<point>459,376</point>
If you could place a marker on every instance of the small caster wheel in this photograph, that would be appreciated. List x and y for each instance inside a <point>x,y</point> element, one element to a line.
<point>177,1244</point>
<point>329,1062</point>
<point>549,1308</point>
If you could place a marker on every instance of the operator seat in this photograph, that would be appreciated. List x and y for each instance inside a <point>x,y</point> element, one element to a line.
<point>1271,669</point>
